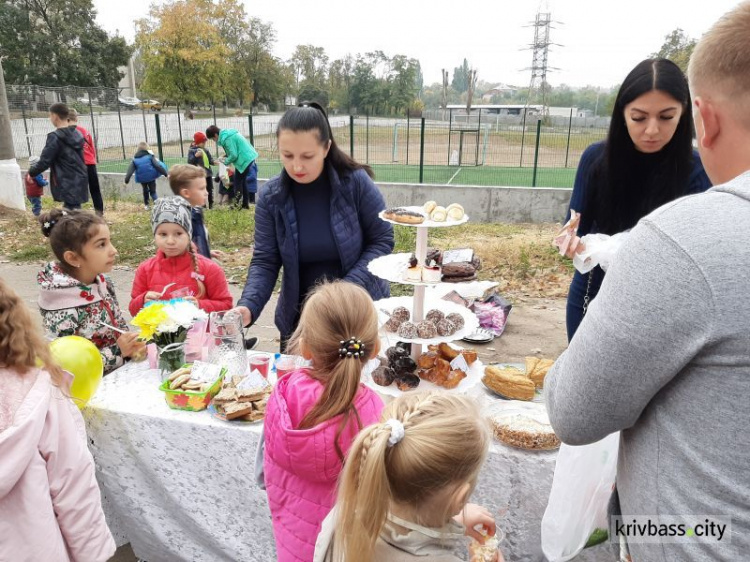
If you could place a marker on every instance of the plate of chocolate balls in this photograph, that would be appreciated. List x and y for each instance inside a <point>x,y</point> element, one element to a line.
<point>444,321</point>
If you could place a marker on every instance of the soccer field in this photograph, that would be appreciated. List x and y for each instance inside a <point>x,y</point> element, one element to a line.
<point>441,175</point>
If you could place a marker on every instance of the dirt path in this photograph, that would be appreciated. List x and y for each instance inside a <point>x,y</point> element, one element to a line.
<point>535,326</point>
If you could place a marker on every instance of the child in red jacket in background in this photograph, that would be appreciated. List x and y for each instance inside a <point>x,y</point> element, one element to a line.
<point>177,263</point>
<point>89,158</point>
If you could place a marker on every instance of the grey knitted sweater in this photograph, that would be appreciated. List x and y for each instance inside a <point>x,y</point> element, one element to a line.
<point>663,356</point>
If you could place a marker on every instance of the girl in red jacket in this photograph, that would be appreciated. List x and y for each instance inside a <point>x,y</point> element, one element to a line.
<point>176,267</point>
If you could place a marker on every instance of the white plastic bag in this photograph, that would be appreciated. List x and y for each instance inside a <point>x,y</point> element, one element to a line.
<point>578,502</point>
<point>600,249</point>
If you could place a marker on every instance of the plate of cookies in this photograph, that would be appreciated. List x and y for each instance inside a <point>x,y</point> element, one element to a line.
<point>242,398</point>
<point>429,215</point>
<point>192,386</point>
<point>444,321</point>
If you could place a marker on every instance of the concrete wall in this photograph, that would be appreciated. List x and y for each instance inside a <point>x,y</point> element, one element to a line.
<point>482,204</point>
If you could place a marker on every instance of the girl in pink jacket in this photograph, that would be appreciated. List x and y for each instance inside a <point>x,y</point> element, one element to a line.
<point>50,505</point>
<point>314,414</point>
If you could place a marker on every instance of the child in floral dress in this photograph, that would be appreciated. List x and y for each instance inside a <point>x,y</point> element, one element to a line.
<point>75,297</point>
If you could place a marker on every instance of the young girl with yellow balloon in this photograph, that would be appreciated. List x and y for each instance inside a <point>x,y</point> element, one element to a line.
<point>50,503</point>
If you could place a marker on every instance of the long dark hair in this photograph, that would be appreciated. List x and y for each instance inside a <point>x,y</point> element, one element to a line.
<point>310,116</point>
<point>620,196</point>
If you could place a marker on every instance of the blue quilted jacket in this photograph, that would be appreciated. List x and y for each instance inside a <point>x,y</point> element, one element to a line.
<point>359,234</point>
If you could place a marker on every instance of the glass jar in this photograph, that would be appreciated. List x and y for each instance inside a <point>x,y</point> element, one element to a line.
<point>171,358</point>
<point>227,342</point>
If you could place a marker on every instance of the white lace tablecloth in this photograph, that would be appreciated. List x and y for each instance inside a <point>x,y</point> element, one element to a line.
<point>180,485</point>
<point>177,485</point>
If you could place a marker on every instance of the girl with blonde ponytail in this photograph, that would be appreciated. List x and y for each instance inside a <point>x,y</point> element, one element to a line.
<point>405,480</point>
<point>315,413</point>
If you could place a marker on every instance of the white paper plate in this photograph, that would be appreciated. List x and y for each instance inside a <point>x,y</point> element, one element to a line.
<point>471,322</point>
<point>479,336</point>
<point>476,371</point>
<point>427,223</point>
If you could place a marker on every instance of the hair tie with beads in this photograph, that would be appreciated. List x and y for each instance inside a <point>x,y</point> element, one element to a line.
<point>352,347</point>
<point>197,276</point>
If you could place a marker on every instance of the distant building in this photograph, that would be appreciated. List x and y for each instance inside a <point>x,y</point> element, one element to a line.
<point>499,90</point>
<point>127,82</point>
<point>495,109</point>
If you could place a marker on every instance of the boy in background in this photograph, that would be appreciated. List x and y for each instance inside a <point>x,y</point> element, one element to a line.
<point>89,158</point>
<point>147,169</point>
<point>198,155</point>
<point>35,188</point>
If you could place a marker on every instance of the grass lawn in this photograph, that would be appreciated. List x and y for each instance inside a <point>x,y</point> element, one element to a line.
<point>519,257</point>
<point>398,173</point>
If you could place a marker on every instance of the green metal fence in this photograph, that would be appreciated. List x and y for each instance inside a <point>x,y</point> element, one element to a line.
<point>472,149</point>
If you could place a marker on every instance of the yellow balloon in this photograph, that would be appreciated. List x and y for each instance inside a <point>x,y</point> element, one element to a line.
<point>82,359</point>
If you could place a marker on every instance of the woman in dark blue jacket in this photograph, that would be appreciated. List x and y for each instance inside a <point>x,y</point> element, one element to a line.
<point>647,161</point>
<point>318,219</point>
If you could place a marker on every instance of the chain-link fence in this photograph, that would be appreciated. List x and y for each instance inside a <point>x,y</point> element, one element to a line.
<point>443,147</point>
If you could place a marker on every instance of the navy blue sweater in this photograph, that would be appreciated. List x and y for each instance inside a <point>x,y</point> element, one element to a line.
<point>359,235</point>
<point>698,182</point>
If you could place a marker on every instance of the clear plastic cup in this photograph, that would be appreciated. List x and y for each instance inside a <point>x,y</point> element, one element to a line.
<point>286,364</point>
<point>260,362</point>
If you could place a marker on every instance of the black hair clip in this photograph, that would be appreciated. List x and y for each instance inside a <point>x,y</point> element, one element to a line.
<point>352,347</point>
<point>314,105</point>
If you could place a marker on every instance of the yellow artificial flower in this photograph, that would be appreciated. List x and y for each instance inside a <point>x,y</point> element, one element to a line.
<point>149,319</point>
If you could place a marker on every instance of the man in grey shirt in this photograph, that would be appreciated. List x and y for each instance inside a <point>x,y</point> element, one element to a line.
<point>663,354</point>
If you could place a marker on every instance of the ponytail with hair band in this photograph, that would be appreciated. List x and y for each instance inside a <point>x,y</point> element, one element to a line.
<point>196,273</point>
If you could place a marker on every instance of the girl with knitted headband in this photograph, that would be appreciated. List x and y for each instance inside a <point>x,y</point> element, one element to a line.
<point>315,413</point>
<point>176,263</point>
<point>404,481</point>
<point>76,297</point>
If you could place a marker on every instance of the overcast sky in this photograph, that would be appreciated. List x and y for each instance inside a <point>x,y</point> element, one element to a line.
<point>600,40</point>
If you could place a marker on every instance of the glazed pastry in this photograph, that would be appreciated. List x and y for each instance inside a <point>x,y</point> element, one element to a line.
<point>455,212</point>
<point>427,360</point>
<point>404,366</point>
<point>402,313</point>
<point>407,382</point>
<point>431,274</point>
<point>429,206</point>
<point>453,378</point>
<point>457,319</point>
<point>383,376</point>
<point>470,356</point>
<point>402,215</point>
<point>393,353</point>
<point>449,352</point>
<point>426,330</point>
<point>439,214</point>
<point>434,316</point>
<point>407,330</point>
<point>445,328</point>
<point>392,324</point>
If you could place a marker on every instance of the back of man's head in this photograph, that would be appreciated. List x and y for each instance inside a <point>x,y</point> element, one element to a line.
<point>60,110</point>
<point>72,115</point>
<point>720,64</point>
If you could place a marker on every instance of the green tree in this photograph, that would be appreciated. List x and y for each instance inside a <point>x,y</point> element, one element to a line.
<point>460,81</point>
<point>310,65</point>
<point>57,43</point>
<point>677,47</point>
<point>183,53</point>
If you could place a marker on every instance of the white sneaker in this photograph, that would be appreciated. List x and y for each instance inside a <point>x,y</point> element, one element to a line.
<point>145,207</point>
